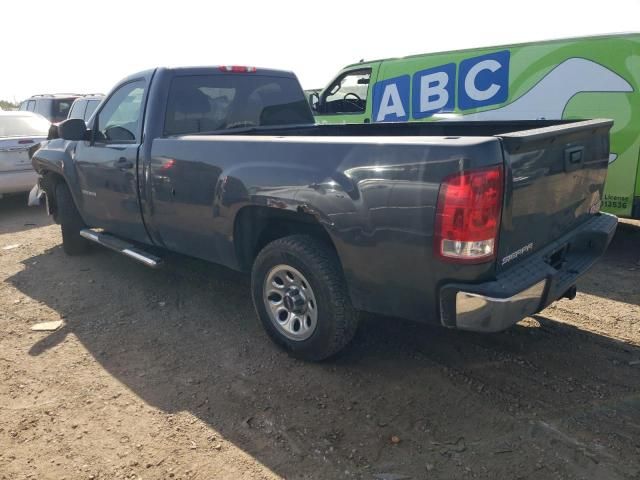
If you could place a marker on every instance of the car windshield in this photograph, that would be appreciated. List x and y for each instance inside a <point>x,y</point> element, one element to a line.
<point>18,126</point>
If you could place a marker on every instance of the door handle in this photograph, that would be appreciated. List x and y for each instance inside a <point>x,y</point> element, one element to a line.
<point>124,164</point>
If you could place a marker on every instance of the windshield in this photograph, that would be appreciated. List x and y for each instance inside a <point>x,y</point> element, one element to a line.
<point>19,126</point>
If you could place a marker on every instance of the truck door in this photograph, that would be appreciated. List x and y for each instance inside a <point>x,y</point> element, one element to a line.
<point>106,165</point>
<point>346,99</point>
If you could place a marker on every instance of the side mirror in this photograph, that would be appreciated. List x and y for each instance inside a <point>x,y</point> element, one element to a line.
<point>314,101</point>
<point>73,129</point>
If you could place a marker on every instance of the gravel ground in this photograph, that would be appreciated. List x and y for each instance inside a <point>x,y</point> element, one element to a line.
<point>167,374</point>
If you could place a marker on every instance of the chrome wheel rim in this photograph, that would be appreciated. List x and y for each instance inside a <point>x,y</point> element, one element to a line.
<point>290,302</point>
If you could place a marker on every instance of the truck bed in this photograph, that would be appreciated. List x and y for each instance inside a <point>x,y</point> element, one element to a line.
<point>375,188</point>
<point>546,194</point>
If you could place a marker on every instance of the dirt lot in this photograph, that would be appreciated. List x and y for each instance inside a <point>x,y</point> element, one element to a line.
<point>167,374</point>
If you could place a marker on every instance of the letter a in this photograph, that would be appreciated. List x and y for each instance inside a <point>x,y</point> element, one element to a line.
<point>391,104</point>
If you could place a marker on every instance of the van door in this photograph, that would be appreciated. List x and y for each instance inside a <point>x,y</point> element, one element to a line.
<point>346,99</point>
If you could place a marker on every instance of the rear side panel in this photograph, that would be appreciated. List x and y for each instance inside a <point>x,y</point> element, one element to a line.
<point>555,181</point>
<point>375,196</point>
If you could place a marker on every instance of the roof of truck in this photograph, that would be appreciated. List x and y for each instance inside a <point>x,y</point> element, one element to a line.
<point>221,69</point>
<point>215,69</point>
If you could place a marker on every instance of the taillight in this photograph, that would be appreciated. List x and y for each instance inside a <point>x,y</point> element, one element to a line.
<point>25,142</point>
<point>237,69</point>
<point>468,216</point>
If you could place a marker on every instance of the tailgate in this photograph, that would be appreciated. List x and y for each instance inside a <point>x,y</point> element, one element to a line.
<point>554,182</point>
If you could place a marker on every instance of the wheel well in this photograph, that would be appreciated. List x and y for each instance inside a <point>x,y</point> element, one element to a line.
<point>255,227</point>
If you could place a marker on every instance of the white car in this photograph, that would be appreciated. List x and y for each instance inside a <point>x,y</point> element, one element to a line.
<point>19,131</point>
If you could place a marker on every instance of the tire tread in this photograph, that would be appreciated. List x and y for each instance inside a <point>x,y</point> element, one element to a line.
<point>321,258</point>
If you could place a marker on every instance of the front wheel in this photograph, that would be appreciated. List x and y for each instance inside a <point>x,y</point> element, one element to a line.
<point>300,295</point>
<point>70,222</point>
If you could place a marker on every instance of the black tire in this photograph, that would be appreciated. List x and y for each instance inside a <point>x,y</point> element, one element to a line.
<point>70,222</point>
<point>337,320</point>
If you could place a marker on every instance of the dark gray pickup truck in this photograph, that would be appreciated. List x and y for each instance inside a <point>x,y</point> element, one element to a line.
<point>470,225</point>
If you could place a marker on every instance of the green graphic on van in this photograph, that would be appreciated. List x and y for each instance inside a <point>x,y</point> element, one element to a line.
<point>591,77</point>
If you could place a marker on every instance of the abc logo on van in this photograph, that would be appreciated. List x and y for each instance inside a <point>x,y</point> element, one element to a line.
<point>480,81</point>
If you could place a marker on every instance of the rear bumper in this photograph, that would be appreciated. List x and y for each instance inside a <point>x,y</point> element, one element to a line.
<point>529,286</point>
<point>17,181</point>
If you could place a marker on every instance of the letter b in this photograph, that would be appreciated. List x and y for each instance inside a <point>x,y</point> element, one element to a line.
<point>433,90</point>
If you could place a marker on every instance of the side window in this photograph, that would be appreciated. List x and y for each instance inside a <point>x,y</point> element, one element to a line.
<point>91,107</point>
<point>348,93</point>
<point>31,105</point>
<point>43,107</point>
<point>77,109</point>
<point>119,118</point>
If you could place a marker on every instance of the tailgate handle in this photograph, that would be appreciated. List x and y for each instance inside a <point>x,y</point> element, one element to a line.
<point>573,158</point>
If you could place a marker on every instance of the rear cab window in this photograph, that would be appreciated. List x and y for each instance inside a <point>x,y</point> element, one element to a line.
<point>210,103</point>
<point>23,125</point>
<point>60,108</point>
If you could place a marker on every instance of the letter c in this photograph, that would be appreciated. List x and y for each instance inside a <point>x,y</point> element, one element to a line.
<point>470,81</point>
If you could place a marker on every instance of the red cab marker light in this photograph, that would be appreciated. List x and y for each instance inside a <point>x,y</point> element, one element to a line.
<point>236,69</point>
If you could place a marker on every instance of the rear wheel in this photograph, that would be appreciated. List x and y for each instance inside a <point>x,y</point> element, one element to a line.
<point>300,295</point>
<point>70,222</point>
